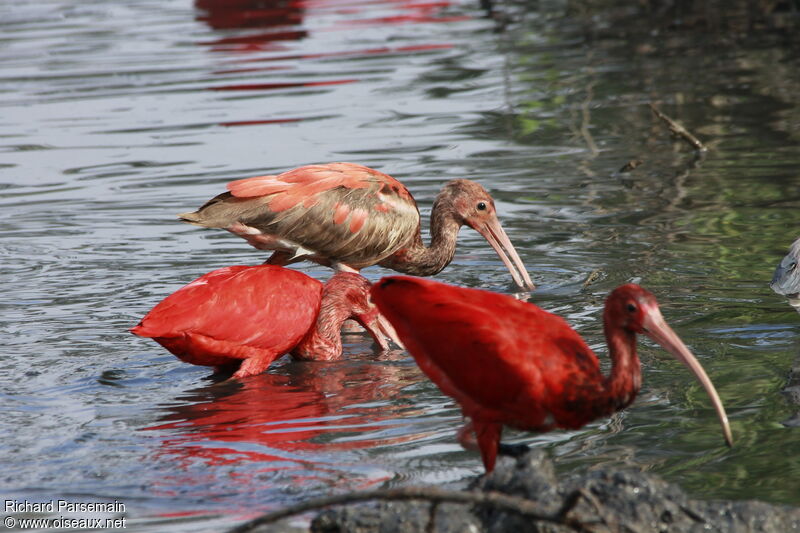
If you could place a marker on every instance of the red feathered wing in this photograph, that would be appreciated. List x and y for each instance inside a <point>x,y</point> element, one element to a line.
<point>235,312</point>
<point>503,360</point>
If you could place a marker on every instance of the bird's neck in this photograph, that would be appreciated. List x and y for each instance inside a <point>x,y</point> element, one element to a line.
<point>625,379</point>
<point>323,342</point>
<point>420,260</point>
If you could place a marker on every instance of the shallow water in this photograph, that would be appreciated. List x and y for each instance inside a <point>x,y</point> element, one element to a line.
<point>115,117</point>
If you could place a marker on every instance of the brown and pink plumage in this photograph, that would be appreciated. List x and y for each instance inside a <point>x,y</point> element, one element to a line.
<point>349,216</point>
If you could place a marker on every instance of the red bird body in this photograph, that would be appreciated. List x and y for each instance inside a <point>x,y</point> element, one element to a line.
<point>507,362</point>
<point>248,316</point>
<point>349,216</point>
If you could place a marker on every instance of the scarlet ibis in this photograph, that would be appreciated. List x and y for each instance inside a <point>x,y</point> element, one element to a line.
<point>786,280</point>
<point>511,363</point>
<point>349,216</point>
<point>248,316</point>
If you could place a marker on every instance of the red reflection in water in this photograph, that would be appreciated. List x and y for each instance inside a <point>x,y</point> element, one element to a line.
<point>277,23</point>
<point>281,17</point>
<point>226,14</point>
<point>283,418</point>
<point>284,17</point>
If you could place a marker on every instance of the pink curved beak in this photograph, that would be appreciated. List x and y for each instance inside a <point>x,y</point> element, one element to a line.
<point>380,329</point>
<point>657,329</point>
<point>496,236</point>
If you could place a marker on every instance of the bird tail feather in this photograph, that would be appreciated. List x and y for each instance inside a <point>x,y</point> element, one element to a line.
<point>191,218</point>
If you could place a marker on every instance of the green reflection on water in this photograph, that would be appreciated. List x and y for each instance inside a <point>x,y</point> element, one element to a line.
<point>703,234</point>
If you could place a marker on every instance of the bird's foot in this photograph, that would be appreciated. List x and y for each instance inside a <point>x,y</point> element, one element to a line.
<point>513,450</point>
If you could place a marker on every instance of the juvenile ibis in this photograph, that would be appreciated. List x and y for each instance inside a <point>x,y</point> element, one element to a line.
<point>349,216</point>
<point>245,317</point>
<point>786,280</point>
<point>508,362</point>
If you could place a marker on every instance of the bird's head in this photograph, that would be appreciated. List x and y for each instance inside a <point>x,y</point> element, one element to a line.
<point>636,310</point>
<point>468,203</point>
<point>633,308</point>
<point>351,291</point>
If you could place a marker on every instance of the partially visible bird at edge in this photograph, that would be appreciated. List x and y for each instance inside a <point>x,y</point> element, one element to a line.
<point>786,279</point>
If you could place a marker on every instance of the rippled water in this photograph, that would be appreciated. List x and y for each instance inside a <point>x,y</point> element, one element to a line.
<point>116,116</point>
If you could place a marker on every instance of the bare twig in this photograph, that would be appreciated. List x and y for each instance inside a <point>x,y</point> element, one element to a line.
<point>630,165</point>
<point>435,495</point>
<point>679,130</point>
<point>592,277</point>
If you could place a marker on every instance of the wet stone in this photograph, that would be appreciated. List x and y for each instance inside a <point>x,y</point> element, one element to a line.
<point>397,517</point>
<point>598,501</point>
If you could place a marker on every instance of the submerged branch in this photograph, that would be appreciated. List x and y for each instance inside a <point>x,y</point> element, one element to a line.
<point>679,130</point>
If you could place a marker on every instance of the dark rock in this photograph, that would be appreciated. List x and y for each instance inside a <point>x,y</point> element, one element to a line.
<point>397,517</point>
<point>600,501</point>
<point>532,476</point>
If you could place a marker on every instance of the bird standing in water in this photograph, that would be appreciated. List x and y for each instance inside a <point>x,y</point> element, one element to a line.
<point>508,362</point>
<point>245,317</point>
<point>348,217</point>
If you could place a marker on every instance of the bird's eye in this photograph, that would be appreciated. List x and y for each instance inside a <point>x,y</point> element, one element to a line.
<point>631,308</point>
<point>481,206</point>
<point>791,267</point>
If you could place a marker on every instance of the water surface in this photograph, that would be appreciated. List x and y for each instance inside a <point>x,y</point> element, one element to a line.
<point>117,116</point>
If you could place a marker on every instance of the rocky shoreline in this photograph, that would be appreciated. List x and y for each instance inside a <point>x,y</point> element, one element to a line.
<point>598,501</point>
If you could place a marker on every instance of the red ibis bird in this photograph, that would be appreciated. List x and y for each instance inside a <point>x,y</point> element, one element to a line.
<point>508,362</point>
<point>248,316</point>
<point>349,216</point>
<point>786,280</point>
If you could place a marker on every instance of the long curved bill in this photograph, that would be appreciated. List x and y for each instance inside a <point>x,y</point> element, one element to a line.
<point>658,330</point>
<point>494,234</point>
<point>380,329</point>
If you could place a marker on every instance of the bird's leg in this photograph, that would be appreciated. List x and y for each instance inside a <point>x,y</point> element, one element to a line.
<point>468,440</point>
<point>255,365</point>
<point>488,434</point>
<point>482,436</point>
<point>341,267</point>
<point>466,436</point>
